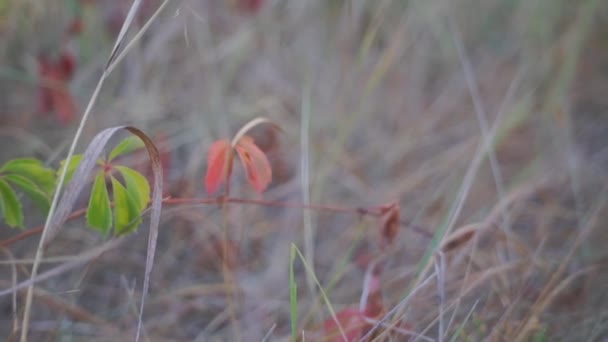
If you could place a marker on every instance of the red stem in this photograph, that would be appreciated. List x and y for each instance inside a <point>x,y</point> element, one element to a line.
<point>372,211</point>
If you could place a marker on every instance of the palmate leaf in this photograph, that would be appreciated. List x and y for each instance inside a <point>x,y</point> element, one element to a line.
<point>32,190</point>
<point>220,159</point>
<point>128,145</point>
<point>74,162</point>
<point>99,213</point>
<point>32,169</point>
<point>126,212</point>
<point>129,199</point>
<point>219,165</point>
<point>10,206</point>
<point>137,186</point>
<point>255,162</point>
<point>81,178</point>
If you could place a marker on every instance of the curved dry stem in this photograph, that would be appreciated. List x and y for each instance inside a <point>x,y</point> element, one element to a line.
<point>248,126</point>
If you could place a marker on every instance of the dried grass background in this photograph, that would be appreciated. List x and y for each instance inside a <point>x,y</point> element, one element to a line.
<point>392,115</point>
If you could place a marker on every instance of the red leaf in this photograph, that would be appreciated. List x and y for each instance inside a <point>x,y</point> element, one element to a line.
<point>218,165</point>
<point>257,166</point>
<point>391,216</point>
<point>75,27</point>
<point>45,101</point>
<point>54,94</point>
<point>352,321</point>
<point>64,105</point>
<point>250,6</point>
<point>66,65</point>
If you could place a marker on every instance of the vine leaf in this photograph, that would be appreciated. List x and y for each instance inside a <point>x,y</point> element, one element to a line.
<point>137,186</point>
<point>32,169</point>
<point>55,94</point>
<point>130,199</point>
<point>32,190</point>
<point>10,206</point>
<point>126,146</point>
<point>126,213</point>
<point>99,213</point>
<point>80,179</point>
<point>30,176</point>
<point>219,164</point>
<point>257,166</point>
<point>74,162</point>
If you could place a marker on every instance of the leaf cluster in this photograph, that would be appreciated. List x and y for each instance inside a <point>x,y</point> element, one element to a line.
<point>129,189</point>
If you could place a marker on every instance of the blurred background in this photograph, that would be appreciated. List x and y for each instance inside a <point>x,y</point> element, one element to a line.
<point>485,119</point>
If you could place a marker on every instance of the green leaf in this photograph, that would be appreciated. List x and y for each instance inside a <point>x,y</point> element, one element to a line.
<point>128,145</point>
<point>126,213</point>
<point>74,162</point>
<point>99,213</point>
<point>137,186</point>
<point>10,206</point>
<point>32,190</point>
<point>32,169</point>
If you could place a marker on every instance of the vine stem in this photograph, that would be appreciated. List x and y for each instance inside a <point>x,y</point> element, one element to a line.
<point>370,211</point>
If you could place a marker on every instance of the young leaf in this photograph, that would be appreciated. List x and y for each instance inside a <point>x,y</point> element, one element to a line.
<point>10,206</point>
<point>218,165</point>
<point>128,145</point>
<point>74,162</point>
<point>32,190</point>
<point>126,214</point>
<point>137,186</point>
<point>32,169</point>
<point>257,166</point>
<point>99,213</point>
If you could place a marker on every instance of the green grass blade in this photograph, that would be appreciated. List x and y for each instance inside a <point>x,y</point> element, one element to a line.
<point>330,308</point>
<point>293,294</point>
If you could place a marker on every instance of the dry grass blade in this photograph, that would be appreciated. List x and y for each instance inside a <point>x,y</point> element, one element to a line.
<point>466,185</point>
<point>155,206</point>
<point>123,31</point>
<point>552,285</point>
<point>482,117</point>
<point>81,178</point>
<point>75,262</point>
<point>113,62</point>
<point>11,257</point>
<point>50,216</point>
<point>459,238</point>
<point>248,126</point>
